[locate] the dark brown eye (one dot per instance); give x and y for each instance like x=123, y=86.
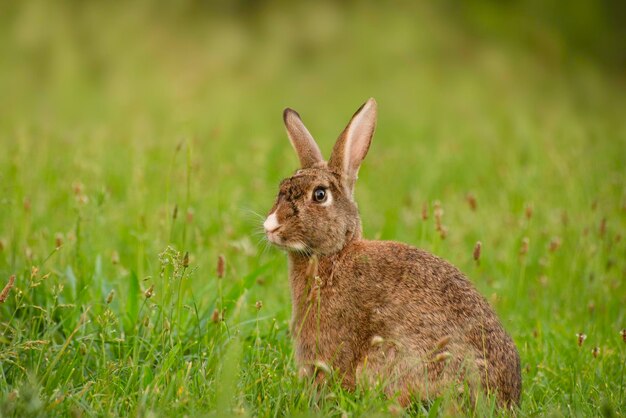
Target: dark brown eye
x=319, y=194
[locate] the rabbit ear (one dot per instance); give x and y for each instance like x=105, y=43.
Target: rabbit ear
x=353, y=143
x=301, y=140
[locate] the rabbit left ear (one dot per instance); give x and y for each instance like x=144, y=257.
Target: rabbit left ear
x=353, y=144
x=301, y=140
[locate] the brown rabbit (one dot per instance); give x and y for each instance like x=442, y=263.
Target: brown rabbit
x=377, y=310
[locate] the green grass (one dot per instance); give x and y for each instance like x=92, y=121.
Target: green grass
x=134, y=135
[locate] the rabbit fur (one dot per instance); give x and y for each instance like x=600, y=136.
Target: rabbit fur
x=378, y=311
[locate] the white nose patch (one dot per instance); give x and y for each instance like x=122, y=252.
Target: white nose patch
x=271, y=223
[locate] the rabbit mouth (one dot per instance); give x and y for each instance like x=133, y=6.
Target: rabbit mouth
x=281, y=243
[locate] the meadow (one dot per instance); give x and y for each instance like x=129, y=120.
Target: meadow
x=141, y=148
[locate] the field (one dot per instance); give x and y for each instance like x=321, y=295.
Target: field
x=140, y=144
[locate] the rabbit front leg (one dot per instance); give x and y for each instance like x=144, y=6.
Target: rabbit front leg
x=322, y=349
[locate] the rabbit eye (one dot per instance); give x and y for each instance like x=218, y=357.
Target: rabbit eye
x=319, y=195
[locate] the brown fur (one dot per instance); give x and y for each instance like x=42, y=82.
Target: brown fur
x=379, y=311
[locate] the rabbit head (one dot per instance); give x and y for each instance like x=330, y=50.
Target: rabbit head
x=315, y=211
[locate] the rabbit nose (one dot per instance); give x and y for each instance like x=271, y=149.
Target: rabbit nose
x=271, y=223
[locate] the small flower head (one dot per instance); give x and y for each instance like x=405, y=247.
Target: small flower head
x=149, y=292
x=258, y=305
x=595, y=352
x=581, y=338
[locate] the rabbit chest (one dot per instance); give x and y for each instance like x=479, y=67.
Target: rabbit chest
x=334, y=315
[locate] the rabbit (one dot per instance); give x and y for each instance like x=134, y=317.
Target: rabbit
x=380, y=312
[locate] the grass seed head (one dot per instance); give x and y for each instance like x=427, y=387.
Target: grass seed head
x=215, y=316
x=602, y=229
x=471, y=201
x=528, y=211
x=311, y=269
x=110, y=296
x=581, y=338
x=524, y=247
x=221, y=266
x=376, y=341
x=443, y=231
x=58, y=240
x=438, y=214
x=476, y=253
x=443, y=342
x=5, y=292
x=258, y=305
x=175, y=212
x=395, y=410
x=442, y=356
x=78, y=187
x=186, y=260
x=82, y=199
x=323, y=366
x=555, y=243
x=149, y=292
x=595, y=352
x=424, y=211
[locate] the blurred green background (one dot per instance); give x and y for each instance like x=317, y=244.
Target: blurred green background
x=130, y=127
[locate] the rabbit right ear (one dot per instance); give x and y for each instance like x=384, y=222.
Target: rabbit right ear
x=301, y=140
